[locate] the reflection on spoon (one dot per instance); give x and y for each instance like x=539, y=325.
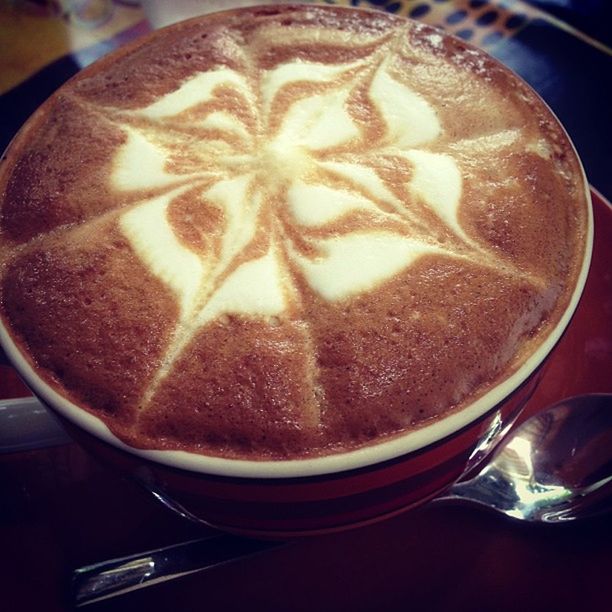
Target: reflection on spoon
x=553, y=468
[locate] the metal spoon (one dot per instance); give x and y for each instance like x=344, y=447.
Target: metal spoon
x=553, y=468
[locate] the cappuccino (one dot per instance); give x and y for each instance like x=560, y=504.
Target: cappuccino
x=287, y=232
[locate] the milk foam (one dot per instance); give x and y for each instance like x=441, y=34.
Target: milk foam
x=139, y=164
x=437, y=182
x=362, y=177
x=318, y=122
x=226, y=122
x=411, y=120
x=316, y=205
x=487, y=142
x=284, y=167
x=274, y=80
x=241, y=211
x=197, y=90
x=151, y=236
x=254, y=288
x=540, y=148
x=357, y=263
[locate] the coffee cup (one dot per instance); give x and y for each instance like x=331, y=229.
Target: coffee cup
x=294, y=267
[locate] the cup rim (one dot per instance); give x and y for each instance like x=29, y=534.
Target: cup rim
x=395, y=446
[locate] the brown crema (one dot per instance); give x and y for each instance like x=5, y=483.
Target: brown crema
x=345, y=226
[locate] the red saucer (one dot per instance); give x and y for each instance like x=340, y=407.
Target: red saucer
x=582, y=361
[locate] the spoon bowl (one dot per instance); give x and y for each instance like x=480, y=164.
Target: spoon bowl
x=555, y=467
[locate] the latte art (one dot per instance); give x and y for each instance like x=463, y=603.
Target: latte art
x=312, y=229
x=318, y=163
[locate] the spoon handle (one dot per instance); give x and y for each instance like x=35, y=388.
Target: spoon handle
x=118, y=576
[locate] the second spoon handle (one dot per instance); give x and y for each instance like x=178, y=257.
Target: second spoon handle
x=117, y=576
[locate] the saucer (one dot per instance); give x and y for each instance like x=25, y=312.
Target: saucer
x=582, y=361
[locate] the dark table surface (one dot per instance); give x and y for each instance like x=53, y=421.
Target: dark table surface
x=60, y=510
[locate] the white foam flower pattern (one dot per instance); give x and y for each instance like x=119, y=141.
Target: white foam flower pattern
x=297, y=140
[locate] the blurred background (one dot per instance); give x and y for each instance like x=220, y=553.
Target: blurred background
x=560, y=47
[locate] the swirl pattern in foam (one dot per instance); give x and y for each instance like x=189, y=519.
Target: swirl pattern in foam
x=299, y=231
